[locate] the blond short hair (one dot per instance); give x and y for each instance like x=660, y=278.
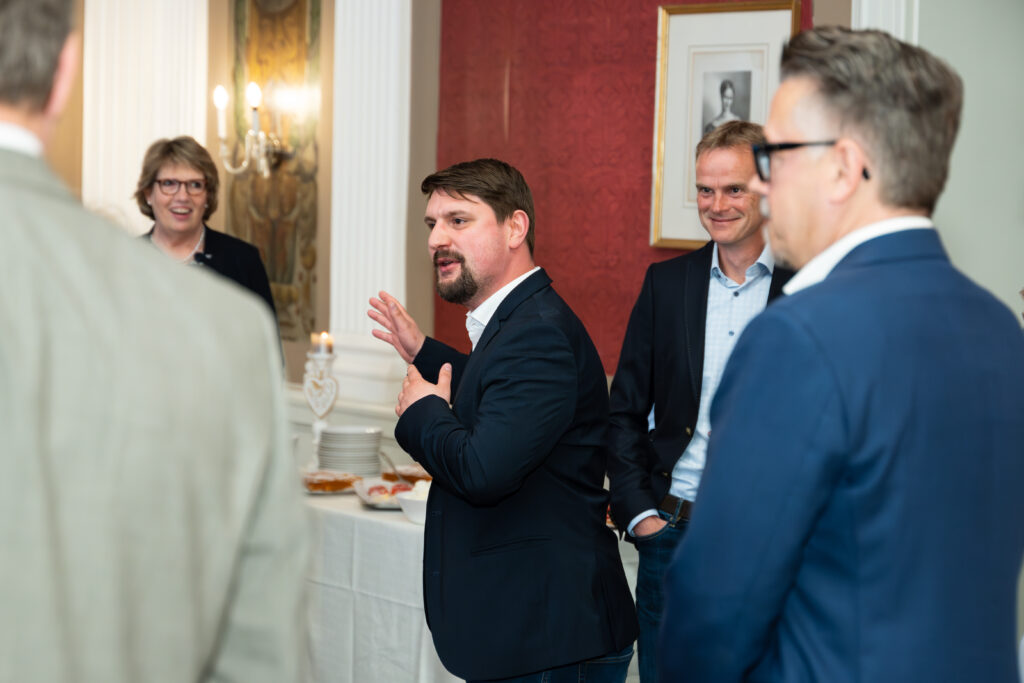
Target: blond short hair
x=731, y=134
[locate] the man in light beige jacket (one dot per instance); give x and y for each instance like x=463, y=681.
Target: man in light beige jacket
x=151, y=524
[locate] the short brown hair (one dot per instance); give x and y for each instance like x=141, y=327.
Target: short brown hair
x=496, y=183
x=731, y=134
x=182, y=150
x=902, y=102
x=32, y=34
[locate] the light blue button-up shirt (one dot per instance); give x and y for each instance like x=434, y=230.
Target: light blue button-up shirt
x=730, y=307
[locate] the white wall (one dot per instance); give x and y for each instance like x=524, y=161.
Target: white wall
x=144, y=71
x=981, y=213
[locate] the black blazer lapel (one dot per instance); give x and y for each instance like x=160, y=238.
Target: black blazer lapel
x=521, y=293
x=780, y=276
x=698, y=275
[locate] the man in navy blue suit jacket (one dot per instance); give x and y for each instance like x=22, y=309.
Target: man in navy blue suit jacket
x=521, y=575
x=861, y=515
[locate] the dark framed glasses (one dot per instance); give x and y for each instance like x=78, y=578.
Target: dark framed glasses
x=763, y=155
x=169, y=186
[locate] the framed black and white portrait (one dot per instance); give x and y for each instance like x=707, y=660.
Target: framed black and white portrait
x=716, y=63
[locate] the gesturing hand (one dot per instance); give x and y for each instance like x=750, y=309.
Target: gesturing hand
x=414, y=387
x=402, y=331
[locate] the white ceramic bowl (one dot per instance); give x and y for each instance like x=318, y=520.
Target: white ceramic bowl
x=414, y=508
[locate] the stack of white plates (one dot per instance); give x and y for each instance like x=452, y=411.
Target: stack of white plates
x=350, y=449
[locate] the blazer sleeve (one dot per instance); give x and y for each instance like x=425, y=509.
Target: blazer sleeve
x=630, y=453
x=772, y=463
x=527, y=401
x=433, y=355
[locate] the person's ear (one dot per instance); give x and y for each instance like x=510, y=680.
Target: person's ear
x=519, y=226
x=64, y=76
x=850, y=169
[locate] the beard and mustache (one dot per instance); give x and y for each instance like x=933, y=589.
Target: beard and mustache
x=460, y=290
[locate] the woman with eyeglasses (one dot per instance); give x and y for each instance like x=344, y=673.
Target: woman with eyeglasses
x=177, y=188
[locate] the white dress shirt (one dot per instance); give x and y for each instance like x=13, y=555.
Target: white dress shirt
x=818, y=268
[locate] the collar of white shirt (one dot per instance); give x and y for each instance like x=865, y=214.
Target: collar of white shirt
x=477, y=319
x=766, y=259
x=818, y=268
x=18, y=139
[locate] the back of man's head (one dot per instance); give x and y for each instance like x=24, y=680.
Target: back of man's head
x=899, y=101
x=498, y=184
x=32, y=33
x=731, y=134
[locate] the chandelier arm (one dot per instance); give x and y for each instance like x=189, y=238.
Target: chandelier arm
x=224, y=156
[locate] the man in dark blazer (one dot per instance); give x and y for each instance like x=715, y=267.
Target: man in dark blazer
x=521, y=576
x=861, y=516
x=675, y=323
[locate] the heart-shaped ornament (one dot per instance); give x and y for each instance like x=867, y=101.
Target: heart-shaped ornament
x=320, y=394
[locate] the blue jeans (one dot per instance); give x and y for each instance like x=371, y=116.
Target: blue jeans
x=655, y=553
x=611, y=668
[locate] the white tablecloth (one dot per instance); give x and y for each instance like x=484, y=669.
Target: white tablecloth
x=366, y=597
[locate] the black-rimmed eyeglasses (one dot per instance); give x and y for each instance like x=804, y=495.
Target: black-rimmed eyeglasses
x=169, y=186
x=763, y=155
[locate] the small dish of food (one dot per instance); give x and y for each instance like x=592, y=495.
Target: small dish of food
x=328, y=482
x=377, y=493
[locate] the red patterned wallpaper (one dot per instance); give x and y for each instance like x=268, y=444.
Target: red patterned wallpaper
x=579, y=79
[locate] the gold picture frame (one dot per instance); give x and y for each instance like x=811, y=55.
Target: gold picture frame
x=716, y=62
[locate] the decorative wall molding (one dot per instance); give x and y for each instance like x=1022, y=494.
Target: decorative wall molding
x=144, y=70
x=370, y=177
x=372, y=52
x=897, y=17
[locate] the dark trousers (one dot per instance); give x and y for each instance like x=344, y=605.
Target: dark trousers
x=655, y=552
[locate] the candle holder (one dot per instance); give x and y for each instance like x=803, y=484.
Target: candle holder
x=320, y=388
x=265, y=151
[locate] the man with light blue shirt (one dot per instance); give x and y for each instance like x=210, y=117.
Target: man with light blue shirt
x=860, y=517
x=690, y=312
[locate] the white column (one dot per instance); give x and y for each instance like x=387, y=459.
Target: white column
x=896, y=17
x=369, y=198
x=144, y=77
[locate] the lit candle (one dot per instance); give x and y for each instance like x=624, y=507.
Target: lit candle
x=321, y=343
x=253, y=97
x=220, y=101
